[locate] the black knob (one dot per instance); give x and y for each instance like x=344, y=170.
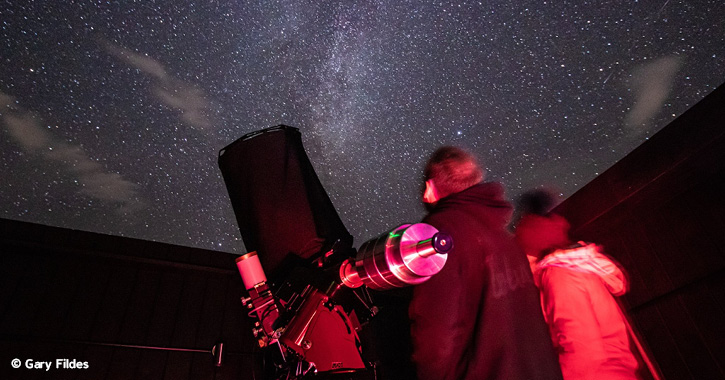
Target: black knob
x=442, y=242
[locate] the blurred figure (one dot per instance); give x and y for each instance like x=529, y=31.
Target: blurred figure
x=479, y=317
x=538, y=231
x=577, y=284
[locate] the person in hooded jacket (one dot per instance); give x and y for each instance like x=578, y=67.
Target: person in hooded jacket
x=578, y=284
x=479, y=317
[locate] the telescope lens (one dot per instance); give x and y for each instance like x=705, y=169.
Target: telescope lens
x=442, y=243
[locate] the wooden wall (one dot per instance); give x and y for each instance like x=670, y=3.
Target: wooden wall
x=77, y=295
x=660, y=212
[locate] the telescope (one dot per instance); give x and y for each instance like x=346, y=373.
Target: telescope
x=308, y=288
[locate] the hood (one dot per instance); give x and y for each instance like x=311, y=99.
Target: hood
x=586, y=258
x=485, y=199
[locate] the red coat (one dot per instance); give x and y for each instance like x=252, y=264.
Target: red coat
x=586, y=324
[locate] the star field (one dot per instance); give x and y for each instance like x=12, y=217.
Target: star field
x=112, y=113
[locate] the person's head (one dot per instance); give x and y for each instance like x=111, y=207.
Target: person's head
x=450, y=170
x=539, y=235
x=539, y=231
x=538, y=201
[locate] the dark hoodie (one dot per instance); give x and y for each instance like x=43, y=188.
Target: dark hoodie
x=479, y=318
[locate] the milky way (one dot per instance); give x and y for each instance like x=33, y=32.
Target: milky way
x=112, y=113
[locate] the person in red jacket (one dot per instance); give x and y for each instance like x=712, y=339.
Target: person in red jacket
x=578, y=284
x=479, y=317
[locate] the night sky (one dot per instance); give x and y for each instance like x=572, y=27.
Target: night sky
x=112, y=113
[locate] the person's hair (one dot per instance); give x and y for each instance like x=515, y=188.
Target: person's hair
x=452, y=170
x=537, y=201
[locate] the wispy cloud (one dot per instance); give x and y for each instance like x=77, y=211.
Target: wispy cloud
x=652, y=84
x=189, y=101
x=26, y=129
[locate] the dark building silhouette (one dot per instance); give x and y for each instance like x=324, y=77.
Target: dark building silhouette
x=135, y=309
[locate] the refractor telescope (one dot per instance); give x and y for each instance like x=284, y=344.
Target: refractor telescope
x=309, y=311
